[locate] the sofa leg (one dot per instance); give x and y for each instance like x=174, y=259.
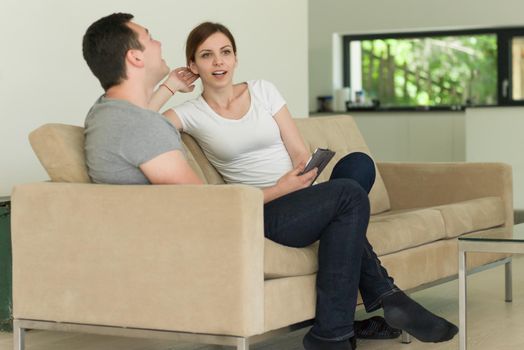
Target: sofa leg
x=242, y=344
x=405, y=338
x=509, y=281
x=18, y=336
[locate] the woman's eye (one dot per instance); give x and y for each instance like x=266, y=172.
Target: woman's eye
x=227, y=52
x=205, y=55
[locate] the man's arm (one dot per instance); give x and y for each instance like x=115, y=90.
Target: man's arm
x=174, y=118
x=170, y=168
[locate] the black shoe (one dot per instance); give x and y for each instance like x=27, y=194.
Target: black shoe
x=310, y=342
x=375, y=328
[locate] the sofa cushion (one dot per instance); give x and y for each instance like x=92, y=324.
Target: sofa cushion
x=472, y=215
x=414, y=267
x=395, y=231
x=341, y=134
x=281, y=261
x=60, y=149
x=209, y=174
x=386, y=233
x=398, y=231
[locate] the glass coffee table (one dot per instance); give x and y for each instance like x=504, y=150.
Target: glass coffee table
x=502, y=240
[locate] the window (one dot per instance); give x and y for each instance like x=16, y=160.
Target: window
x=435, y=70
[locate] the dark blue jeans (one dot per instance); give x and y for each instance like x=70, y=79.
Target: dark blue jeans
x=335, y=212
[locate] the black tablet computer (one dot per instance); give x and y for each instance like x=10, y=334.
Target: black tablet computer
x=318, y=160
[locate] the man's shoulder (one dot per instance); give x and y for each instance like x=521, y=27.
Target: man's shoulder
x=117, y=110
x=122, y=115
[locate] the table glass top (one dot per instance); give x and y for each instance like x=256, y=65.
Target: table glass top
x=498, y=235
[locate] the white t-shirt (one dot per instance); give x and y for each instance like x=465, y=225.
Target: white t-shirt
x=248, y=150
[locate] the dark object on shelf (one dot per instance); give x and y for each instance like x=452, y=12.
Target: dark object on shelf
x=6, y=281
x=325, y=104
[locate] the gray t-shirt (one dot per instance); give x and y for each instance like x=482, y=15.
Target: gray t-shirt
x=120, y=136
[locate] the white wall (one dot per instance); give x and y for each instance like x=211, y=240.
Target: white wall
x=44, y=79
x=497, y=135
x=414, y=137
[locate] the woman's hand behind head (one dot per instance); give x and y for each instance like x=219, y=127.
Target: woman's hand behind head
x=182, y=79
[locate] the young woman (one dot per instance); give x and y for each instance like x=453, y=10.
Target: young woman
x=247, y=133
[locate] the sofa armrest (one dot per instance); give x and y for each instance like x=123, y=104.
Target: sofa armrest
x=414, y=185
x=184, y=258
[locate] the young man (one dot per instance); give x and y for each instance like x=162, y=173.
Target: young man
x=126, y=142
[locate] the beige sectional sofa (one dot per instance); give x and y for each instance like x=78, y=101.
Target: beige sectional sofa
x=191, y=263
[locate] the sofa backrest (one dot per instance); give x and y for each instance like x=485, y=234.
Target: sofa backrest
x=60, y=149
x=209, y=174
x=341, y=134
x=338, y=133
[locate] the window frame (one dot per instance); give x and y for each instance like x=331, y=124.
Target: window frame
x=504, y=37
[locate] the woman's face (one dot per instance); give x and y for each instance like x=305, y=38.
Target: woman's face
x=215, y=61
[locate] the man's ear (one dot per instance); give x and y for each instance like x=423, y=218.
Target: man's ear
x=135, y=58
x=193, y=68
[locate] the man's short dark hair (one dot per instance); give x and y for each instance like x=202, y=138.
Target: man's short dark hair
x=105, y=46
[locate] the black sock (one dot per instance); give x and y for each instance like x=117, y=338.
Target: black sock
x=400, y=311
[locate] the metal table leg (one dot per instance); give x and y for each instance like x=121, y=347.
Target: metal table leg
x=462, y=299
x=509, y=282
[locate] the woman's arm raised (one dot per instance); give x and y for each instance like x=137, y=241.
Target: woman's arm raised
x=180, y=79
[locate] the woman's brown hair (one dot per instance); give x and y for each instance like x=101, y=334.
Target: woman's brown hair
x=200, y=33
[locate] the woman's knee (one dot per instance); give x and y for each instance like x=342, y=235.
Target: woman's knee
x=357, y=166
x=355, y=160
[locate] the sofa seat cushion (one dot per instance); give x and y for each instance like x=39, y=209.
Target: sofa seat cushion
x=472, y=215
x=281, y=261
x=60, y=149
x=395, y=231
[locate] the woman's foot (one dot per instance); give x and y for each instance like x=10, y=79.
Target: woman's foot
x=311, y=342
x=400, y=311
x=375, y=327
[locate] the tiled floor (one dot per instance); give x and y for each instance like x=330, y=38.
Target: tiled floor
x=493, y=324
